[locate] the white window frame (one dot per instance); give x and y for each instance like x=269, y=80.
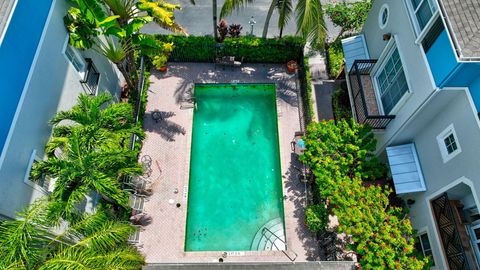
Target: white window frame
x=78, y=57
x=421, y=33
x=384, y=8
x=391, y=46
x=26, y=179
x=421, y=232
x=441, y=143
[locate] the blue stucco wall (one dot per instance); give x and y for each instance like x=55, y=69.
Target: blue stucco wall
x=16, y=55
x=475, y=92
x=448, y=72
x=441, y=58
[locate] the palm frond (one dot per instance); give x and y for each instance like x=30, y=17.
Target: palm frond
x=125, y=9
x=21, y=240
x=230, y=5
x=310, y=23
x=162, y=13
x=112, y=50
x=108, y=236
x=285, y=10
x=122, y=258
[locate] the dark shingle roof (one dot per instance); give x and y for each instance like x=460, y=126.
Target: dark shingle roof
x=464, y=18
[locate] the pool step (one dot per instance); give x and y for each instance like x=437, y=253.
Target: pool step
x=270, y=236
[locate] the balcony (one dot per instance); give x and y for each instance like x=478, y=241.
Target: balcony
x=364, y=100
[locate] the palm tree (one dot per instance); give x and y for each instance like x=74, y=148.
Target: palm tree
x=97, y=114
x=95, y=241
x=285, y=9
x=119, y=23
x=85, y=167
x=308, y=13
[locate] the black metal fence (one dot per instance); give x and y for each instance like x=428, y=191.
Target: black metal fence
x=359, y=69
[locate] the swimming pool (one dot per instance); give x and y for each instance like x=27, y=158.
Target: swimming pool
x=235, y=188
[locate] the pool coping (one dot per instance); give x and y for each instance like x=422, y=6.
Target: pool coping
x=279, y=177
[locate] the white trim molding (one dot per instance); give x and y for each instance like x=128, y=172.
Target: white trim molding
x=442, y=264
x=26, y=178
x=446, y=133
x=381, y=13
x=422, y=231
x=382, y=61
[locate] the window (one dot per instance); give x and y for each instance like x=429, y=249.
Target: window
x=391, y=81
x=75, y=58
x=41, y=184
x=383, y=16
x=448, y=143
x=423, y=245
x=423, y=11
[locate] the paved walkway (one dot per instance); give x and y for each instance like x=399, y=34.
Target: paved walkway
x=168, y=143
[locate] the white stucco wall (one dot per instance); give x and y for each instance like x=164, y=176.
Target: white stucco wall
x=440, y=176
x=54, y=86
x=413, y=59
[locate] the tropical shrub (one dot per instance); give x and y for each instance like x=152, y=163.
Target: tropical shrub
x=159, y=61
x=94, y=241
x=222, y=29
x=252, y=49
x=90, y=154
x=234, y=30
x=119, y=24
x=341, y=104
x=335, y=59
x=341, y=158
x=316, y=218
x=349, y=17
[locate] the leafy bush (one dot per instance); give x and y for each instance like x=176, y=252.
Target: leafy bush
x=341, y=105
x=335, y=58
x=234, y=30
x=252, y=49
x=222, y=29
x=341, y=158
x=316, y=218
x=159, y=61
x=349, y=16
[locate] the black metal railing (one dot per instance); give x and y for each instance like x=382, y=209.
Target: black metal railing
x=363, y=111
x=91, y=77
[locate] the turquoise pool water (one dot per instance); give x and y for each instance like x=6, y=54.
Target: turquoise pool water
x=235, y=180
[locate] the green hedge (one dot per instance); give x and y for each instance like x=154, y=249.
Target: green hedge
x=335, y=58
x=252, y=49
x=341, y=105
x=306, y=85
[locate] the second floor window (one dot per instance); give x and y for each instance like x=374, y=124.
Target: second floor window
x=423, y=10
x=75, y=58
x=391, y=81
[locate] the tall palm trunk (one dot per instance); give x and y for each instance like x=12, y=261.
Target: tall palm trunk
x=214, y=11
x=126, y=75
x=267, y=19
x=281, y=32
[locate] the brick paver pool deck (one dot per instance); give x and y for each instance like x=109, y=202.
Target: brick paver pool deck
x=168, y=143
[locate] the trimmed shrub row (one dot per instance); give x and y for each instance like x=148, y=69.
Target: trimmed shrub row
x=251, y=49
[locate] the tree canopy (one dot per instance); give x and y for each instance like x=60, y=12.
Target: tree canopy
x=341, y=158
x=95, y=241
x=349, y=16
